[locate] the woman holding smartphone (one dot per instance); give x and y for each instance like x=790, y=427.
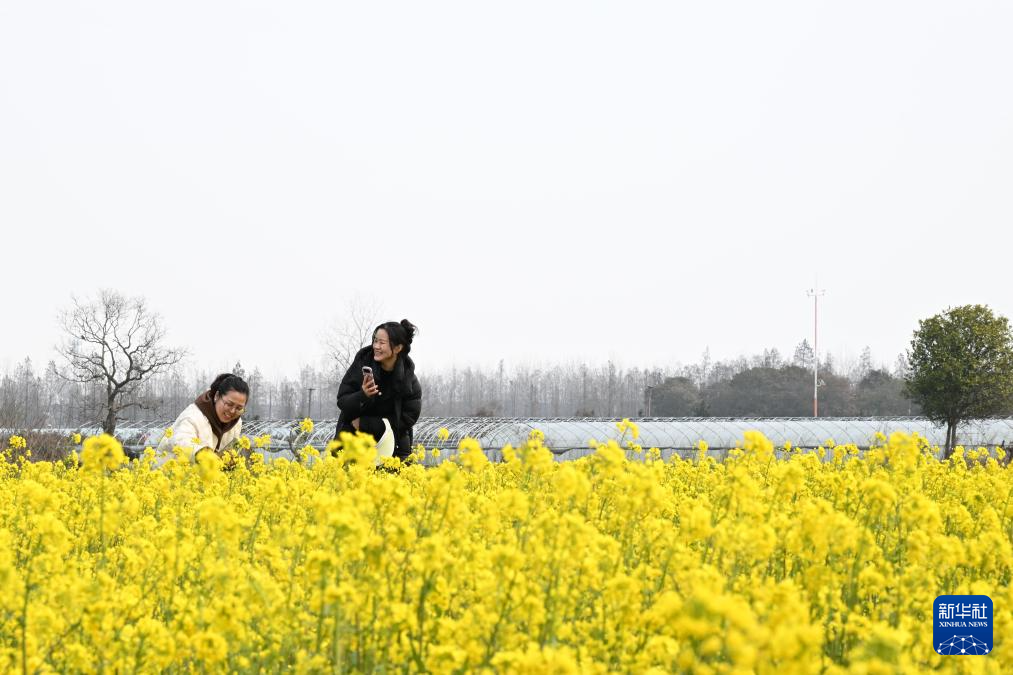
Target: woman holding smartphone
x=380, y=394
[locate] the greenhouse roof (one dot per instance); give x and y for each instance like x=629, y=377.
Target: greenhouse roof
x=570, y=437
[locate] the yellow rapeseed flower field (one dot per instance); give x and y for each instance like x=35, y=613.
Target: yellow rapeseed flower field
x=619, y=562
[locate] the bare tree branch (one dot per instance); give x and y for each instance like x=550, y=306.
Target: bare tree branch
x=352, y=331
x=117, y=341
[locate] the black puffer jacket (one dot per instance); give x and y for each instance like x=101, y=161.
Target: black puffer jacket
x=407, y=393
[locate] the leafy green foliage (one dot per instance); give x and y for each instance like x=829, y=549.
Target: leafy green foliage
x=961, y=365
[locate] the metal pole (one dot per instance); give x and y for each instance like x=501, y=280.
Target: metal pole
x=815, y=294
x=310, y=406
x=816, y=356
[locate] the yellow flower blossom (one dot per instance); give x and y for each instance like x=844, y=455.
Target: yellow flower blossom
x=764, y=562
x=100, y=453
x=309, y=453
x=627, y=426
x=471, y=454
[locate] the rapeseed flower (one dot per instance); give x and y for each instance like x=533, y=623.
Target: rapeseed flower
x=101, y=453
x=613, y=562
x=471, y=455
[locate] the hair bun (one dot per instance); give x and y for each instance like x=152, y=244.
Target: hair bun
x=409, y=328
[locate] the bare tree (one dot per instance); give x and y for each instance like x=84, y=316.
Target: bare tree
x=352, y=332
x=116, y=342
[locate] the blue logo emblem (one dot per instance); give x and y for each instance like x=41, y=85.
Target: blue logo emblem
x=962, y=625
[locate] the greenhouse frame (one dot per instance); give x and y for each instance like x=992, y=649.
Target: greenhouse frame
x=570, y=438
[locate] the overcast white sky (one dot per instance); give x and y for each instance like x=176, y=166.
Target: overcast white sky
x=535, y=181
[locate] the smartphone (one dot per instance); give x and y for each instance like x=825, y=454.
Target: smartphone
x=366, y=370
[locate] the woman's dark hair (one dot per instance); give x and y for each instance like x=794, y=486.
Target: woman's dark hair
x=399, y=334
x=227, y=382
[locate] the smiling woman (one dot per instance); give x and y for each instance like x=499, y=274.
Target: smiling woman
x=380, y=394
x=213, y=420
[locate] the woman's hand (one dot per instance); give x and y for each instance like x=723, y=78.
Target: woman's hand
x=355, y=424
x=369, y=387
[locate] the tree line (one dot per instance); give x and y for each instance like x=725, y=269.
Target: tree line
x=114, y=366
x=760, y=386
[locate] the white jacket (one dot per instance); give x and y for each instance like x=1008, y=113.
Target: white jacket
x=192, y=431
